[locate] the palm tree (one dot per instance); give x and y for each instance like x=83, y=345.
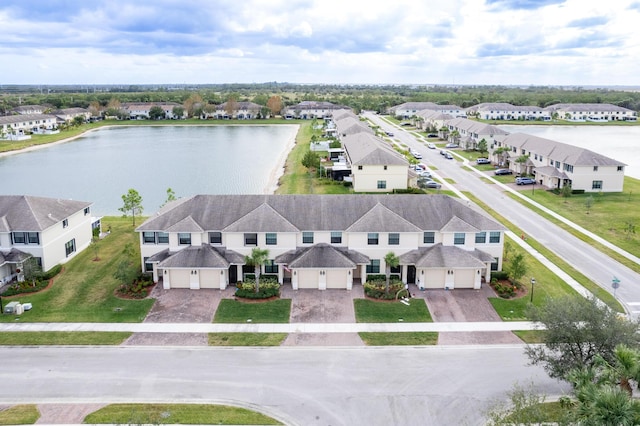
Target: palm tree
x=625, y=367
x=391, y=261
x=257, y=258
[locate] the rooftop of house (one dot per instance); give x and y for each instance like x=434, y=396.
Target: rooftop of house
x=365, y=148
x=24, y=213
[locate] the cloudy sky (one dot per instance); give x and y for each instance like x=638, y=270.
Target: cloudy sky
x=555, y=42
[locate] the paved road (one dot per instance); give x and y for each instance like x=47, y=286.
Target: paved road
x=300, y=386
x=582, y=256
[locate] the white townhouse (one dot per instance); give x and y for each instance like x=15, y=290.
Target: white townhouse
x=68, y=114
x=140, y=110
x=307, y=110
x=29, y=109
x=409, y=109
x=557, y=164
x=242, y=110
x=50, y=229
x=429, y=119
x=591, y=112
x=506, y=111
x=321, y=241
x=350, y=126
x=467, y=133
x=375, y=165
x=26, y=123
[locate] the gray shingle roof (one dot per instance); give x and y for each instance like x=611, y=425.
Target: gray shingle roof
x=28, y=213
x=381, y=219
x=13, y=256
x=262, y=219
x=350, y=125
x=472, y=126
x=587, y=107
x=366, y=149
x=439, y=256
x=322, y=256
x=317, y=212
x=10, y=119
x=204, y=256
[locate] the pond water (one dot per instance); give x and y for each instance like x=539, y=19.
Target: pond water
x=621, y=143
x=102, y=165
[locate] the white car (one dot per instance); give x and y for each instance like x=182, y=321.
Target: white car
x=431, y=145
x=425, y=173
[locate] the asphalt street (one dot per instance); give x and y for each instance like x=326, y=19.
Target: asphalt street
x=594, y=264
x=300, y=386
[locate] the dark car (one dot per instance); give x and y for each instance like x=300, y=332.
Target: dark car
x=525, y=181
x=499, y=172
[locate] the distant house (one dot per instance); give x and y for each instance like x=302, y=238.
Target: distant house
x=506, y=111
x=140, y=110
x=349, y=125
x=241, y=111
x=29, y=109
x=17, y=126
x=308, y=110
x=429, y=119
x=409, y=109
x=467, y=133
x=50, y=229
x=66, y=115
x=375, y=166
x=591, y=112
x=202, y=241
x=556, y=164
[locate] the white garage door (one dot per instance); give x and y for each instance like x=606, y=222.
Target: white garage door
x=179, y=278
x=336, y=278
x=307, y=278
x=209, y=278
x=434, y=278
x=464, y=278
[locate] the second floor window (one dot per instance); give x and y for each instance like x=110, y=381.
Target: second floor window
x=336, y=237
x=429, y=237
x=494, y=237
x=271, y=238
x=481, y=237
x=458, y=238
x=215, y=237
x=372, y=238
x=251, y=239
x=394, y=239
x=184, y=239
x=65, y=223
x=307, y=238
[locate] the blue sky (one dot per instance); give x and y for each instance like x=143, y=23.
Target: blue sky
x=541, y=42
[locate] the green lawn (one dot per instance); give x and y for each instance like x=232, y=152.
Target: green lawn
x=373, y=311
x=530, y=336
x=400, y=339
x=84, y=291
x=35, y=338
x=177, y=414
x=246, y=339
x=233, y=311
x=19, y=415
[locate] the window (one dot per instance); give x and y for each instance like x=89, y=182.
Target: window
x=65, y=223
x=19, y=238
x=271, y=238
x=429, y=237
x=163, y=238
x=494, y=237
x=394, y=239
x=385, y=167
x=215, y=237
x=184, y=238
x=70, y=247
x=87, y=210
x=620, y=168
x=595, y=168
x=307, y=237
x=596, y=184
x=372, y=238
x=458, y=238
x=33, y=237
x=396, y=269
x=336, y=237
x=567, y=167
x=494, y=264
x=149, y=237
x=382, y=184
x=251, y=239
x=481, y=237
x=148, y=266
x=359, y=167
x=270, y=267
x=373, y=267
x=557, y=164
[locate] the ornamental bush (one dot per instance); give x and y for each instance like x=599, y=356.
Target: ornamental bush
x=268, y=289
x=376, y=289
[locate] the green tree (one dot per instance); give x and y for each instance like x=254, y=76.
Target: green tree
x=125, y=271
x=517, y=267
x=566, y=191
x=311, y=160
x=629, y=230
x=178, y=112
x=78, y=120
x=482, y=146
x=588, y=203
x=257, y=258
x=156, y=113
x=171, y=196
x=31, y=270
x=275, y=105
x=524, y=407
x=390, y=261
x=578, y=331
x=131, y=203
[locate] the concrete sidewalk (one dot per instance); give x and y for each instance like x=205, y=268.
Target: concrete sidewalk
x=274, y=328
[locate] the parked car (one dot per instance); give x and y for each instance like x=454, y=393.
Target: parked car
x=416, y=155
x=448, y=156
x=431, y=145
x=432, y=184
x=432, y=135
x=525, y=181
x=483, y=161
x=389, y=133
x=425, y=173
x=499, y=172
x=451, y=145
x=418, y=169
x=443, y=152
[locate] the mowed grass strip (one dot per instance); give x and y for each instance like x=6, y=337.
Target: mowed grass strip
x=84, y=291
x=394, y=311
x=413, y=338
x=36, y=338
x=530, y=336
x=26, y=414
x=246, y=339
x=177, y=414
x=234, y=311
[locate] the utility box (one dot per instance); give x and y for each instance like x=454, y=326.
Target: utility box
x=12, y=308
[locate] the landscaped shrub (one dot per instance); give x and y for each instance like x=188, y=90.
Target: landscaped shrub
x=499, y=275
x=25, y=287
x=138, y=289
x=247, y=290
x=52, y=272
x=376, y=289
x=505, y=290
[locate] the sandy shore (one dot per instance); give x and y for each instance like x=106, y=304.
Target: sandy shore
x=278, y=171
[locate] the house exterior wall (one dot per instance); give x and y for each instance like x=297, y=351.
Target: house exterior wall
x=366, y=180
x=584, y=177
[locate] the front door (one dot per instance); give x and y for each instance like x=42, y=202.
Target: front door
x=411, y=274
x=233, y=274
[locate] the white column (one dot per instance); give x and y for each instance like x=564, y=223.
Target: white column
x=294, y=279
x=405, y=269
x=349, y=279
x=224, y=279
x=166, y=279
x=322, y=280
